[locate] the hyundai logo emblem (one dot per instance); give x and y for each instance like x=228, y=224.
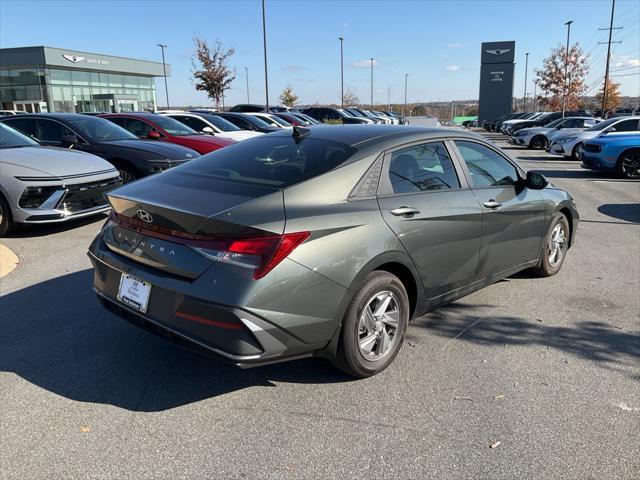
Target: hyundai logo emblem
x=144, y=216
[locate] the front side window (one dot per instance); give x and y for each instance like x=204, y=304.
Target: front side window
x=172, y=126
x=51, y=131
x=421, y=168
x=25, y=125
x=138, y=127
x=626, y=126
x=487, y=167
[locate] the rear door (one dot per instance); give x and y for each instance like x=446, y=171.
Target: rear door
x=513, y=220
x=427, y=203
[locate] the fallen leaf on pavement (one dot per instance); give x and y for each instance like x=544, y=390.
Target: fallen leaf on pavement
x=85, y=429
x=498, y=397
x=495, y=444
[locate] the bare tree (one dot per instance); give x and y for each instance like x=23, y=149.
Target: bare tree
x=350, y=99
x=211, y=74
x=551, y=78
x=288, y=97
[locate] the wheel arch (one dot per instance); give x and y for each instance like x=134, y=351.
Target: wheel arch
x=566, y=211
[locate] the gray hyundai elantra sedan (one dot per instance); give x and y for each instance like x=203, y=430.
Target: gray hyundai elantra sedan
x=323, y=241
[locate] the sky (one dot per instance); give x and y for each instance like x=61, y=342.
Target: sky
x=436, y=42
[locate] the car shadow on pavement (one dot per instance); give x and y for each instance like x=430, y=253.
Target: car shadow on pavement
x=43, y=229
x=56, y=335
x=629, y=212
x=607, y=344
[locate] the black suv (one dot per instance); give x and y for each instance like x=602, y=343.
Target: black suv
x=134, y=158
x=325, y=115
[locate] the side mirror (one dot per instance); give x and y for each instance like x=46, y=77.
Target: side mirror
x=208, y=131
x=536, y=181
x=69, y=139
x=609, y=130
x=153, y=135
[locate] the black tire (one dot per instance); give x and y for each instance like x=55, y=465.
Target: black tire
x=628, y=165
x=574, y=153
x=350, y=358
x=546, y=266
x=6, y=219
x=539, y=142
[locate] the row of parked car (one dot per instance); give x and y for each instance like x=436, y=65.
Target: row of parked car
x=100, y=151
x=605, y=145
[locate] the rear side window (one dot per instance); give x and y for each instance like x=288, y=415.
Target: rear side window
x=268, y=161
x=25, y=125
x=424, y=167
x=487, y=168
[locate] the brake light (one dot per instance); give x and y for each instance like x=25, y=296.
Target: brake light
x=271, y=250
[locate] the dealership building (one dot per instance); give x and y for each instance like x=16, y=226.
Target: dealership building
x=45, y=79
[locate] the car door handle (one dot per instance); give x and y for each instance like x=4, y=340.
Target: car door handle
x=404, y=211
x=492, y=204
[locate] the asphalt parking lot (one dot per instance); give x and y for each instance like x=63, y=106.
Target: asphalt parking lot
x=547, y=371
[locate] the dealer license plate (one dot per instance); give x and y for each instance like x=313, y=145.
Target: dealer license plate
x=134, y=292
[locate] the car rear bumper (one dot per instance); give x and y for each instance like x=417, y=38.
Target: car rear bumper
x=179, y=312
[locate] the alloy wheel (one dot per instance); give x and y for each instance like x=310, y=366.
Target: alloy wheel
x=557, y=245
x=378, y=325
x=631, y=165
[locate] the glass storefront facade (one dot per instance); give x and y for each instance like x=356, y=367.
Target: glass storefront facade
x=65, y=90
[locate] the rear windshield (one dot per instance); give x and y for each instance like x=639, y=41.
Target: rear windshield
x=270, y=161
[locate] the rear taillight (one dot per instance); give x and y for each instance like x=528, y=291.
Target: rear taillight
x=260, y=253
x=269, y=250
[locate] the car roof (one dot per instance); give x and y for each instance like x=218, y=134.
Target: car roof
x=361, y=134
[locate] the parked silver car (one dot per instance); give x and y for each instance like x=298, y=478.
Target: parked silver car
x=538, y=137
x=570, y=144
x=49, y=184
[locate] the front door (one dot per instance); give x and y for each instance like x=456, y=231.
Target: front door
x=513, y=219
x=435, y=216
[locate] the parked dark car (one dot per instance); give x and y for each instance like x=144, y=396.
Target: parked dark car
x=248, y=122
x=323, y=241
x=323, y=114
x=165, y=129
x=360, y=114
x=134, y=158
x=492, y=124
x=255, y=108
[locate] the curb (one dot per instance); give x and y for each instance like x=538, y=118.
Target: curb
x=8, y=261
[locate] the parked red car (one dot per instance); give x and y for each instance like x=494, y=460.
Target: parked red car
x=292, y=119
x=166, y=129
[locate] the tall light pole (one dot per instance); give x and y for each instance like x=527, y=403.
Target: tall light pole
x=164, y=69
x=526, y=69
x=566, y=68
x=371, y=59
x=341, y=73
x=246, y=76
x=404, y=109
x=264, y=41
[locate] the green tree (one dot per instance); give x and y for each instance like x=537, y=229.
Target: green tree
x=288, y=98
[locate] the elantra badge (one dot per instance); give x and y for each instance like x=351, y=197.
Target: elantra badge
x=144, y=216
x=497, y=51
x=73, y=58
